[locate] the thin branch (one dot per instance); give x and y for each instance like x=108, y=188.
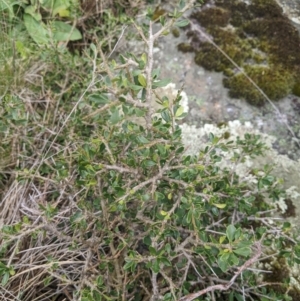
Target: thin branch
x=224, y=287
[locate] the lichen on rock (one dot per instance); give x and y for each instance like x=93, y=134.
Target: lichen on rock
x=284, y=168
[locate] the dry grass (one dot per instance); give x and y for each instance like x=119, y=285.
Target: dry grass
x=51, y=257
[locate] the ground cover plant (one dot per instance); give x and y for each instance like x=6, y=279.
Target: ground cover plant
x=100, y=200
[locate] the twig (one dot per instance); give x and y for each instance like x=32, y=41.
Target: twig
x=224, y=287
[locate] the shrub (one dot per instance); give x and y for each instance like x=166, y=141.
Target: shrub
x=116, y=209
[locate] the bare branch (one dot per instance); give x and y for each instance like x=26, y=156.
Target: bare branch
x=224, y=287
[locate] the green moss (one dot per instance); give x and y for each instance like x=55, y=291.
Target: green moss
x=296, y=89
x=265, y=8
x=222, y=124
x=185, y=47
x=278, y=38
x=275, y=82
x=228, y=72
x=281, y=272
x=209, y=57
x=238, y=9
x=226, y=135
x=259, y=58
x=263, y=36
x=158, y=13
x=212, y=16
x=223, y=36
x=291, y=209
x=175, y=32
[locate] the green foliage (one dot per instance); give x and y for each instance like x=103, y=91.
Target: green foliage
x=105, y=204
x=41, y=19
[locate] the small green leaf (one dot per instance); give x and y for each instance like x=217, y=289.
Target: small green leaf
x=155, y=266
x=179, y=111
x=243, y=251
x=159, y=196
x=181, y=4
x=189, y=216
x=233, y=260
x=144, y=58
x=182, y=23
x=222, y=239
x=5, y=278
x=93, y=47
x=162, y=20
x=230, y=231
x=98, y=99
x=163, y=213
x=139, y=112
x=166, y=115
x=142, y=139
x=165, y=261
x=64, y=13
x=220, y=206
x=130, y=265
x=240, y=297
x=223, y=264
x=211, y=137
x=168, y=248
x=47, y=280
x=152, y=251
x=145, y=197
x=115, y=117
x=135, y=87
x=142, y=80
x=161, y=83
x=162, y=149
x=149, y=163
x=99, y=281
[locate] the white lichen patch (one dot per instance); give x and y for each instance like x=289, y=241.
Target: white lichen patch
x=284, y=168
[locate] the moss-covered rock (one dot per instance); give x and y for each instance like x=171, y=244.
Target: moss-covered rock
x=211, y=58
x=212, y=16
x=275, y=82
x=238, y=9
x=261, y=36
x=279, y=39
x=265, y=9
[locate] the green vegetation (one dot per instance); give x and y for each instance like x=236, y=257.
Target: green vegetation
x=212, y=59
x=261, y=35
x=219, y=16
x=275, y=82
x=185, y=47
x=98, y=198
